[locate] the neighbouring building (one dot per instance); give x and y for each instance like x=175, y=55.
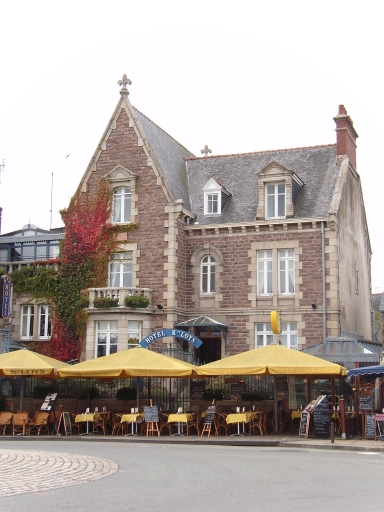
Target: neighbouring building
x=222, y=240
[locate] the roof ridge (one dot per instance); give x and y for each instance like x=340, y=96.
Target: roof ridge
x=260, y=152
x=162, y=129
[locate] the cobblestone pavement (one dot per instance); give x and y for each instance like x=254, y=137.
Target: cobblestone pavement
x=33, y=471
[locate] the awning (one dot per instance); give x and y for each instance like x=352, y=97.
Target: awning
x=376, y=371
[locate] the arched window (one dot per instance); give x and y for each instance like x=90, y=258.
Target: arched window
x=208, y=274
x=122, y=205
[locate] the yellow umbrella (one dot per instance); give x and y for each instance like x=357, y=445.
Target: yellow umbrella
x=271, y=360
x=135, y=362
x=24, y=363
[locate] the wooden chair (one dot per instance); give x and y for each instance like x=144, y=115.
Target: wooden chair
x=38, y=422
x=258, y=424
x=221, y=425
x=194, y=423
x=117, y=426
x=74, y=425
x=98, y=426
x=5, y=421
x=286, y=420
x=20, y=422
x=164, y=425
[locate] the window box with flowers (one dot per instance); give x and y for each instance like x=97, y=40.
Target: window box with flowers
x=105, y=302
x=136, y=301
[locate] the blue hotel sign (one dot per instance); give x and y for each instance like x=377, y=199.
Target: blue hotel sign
x=6, y=296
x=177, y=333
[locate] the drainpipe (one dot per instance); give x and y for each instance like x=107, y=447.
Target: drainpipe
x=324, y=288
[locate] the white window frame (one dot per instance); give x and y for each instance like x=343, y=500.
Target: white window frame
x=289, y=335
x=208, y=273
x=27, y=321
x=134, y=333
x=120, y=270
x=44, y=322
x=122, y=201
x=263, y=334
x=286, y=271
x=110, y=334
x=212, y=203
x=265, y=272
x=274, y=210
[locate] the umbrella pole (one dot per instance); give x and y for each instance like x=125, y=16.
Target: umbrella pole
x=276, y=404
x=137, y=392
x=21, y=394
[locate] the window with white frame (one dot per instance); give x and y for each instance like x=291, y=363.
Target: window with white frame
x=122, y=205
x=27, y=317
x=212, y=203
x=289, y=335
x=208, y=274
x=264, y=272
x=134, y=333
x=120, y=270
x=44, y=322
x=275, y=200
x=286, y=271
x=106, y=338
x=264, y=334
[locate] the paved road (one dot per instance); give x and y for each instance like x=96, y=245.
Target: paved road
x=164, y=477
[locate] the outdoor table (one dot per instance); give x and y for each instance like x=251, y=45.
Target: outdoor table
x=85, y=417
x=240, y=417
x=296, y=414
x=134, y=419
x=179, y=419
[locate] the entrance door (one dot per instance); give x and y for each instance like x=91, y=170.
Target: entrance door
x=210, y=350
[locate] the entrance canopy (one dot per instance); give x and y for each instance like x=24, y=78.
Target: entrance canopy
x=204, y=321
x=374, y=371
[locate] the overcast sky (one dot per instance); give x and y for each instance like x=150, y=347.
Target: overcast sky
x=239, y=76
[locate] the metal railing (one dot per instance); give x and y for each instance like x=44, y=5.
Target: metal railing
x=118, y=293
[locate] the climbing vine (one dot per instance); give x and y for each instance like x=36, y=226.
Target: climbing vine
x=84, y=256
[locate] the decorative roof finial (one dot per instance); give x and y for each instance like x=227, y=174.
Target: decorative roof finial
x=206, y=150
x=123, y=84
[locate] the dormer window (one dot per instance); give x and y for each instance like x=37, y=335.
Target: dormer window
x=215, y=197
x=275, y=193
x=279, y=188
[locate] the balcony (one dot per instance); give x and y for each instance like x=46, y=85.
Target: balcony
x=118, y=293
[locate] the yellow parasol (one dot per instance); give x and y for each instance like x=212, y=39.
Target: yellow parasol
x=271, y=360
x=24, y=363
x=135, y=362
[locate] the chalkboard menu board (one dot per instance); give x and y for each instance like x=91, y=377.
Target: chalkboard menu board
x=237, y=389
x=370, y=426
x=151, y=413
x=49, y=402
x=321, y=419
x=197, y=389
x=304, y=424
x=210, y=414
x=282, y=387
x=365, y=403
x=65, y=420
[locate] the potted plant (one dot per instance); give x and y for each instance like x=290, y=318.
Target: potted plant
x=105, y=302
x=136, y=301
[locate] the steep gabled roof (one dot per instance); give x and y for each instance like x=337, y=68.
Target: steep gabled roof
x=170, y=157
x=316, y=166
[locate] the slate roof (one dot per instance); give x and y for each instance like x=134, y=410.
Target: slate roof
x=316, y=166
x=170, y=156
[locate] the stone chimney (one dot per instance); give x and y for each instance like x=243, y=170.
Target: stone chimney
x=345, y=135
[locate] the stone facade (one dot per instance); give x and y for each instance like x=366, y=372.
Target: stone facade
x=323, y=229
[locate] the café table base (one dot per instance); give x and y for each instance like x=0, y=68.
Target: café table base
x=238, y=433
x=87, y=433
x=133, y=432
x=179, y=431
